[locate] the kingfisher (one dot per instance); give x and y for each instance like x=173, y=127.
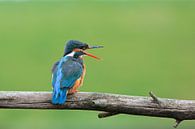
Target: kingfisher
x=68, y=73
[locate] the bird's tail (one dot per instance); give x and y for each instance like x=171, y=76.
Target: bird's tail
x=59, y=96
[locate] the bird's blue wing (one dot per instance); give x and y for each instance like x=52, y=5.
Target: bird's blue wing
x=65, y=72
x=71, y=71
x=65, y=75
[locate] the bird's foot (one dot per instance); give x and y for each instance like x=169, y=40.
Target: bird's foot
x=72, y=91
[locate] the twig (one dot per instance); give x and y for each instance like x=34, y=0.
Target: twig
x=177, y=122
x=155, y=98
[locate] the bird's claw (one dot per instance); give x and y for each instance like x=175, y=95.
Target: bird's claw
x=72, y=91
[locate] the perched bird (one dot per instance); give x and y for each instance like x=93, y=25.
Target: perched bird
x=68, y=73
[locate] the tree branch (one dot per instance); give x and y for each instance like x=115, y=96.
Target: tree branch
x=111, y=104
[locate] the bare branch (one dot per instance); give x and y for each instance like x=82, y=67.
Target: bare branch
x=110, y=104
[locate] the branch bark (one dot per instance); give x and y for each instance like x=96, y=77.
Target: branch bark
x=112, y=104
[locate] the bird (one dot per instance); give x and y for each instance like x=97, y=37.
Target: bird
x=69, y=47
x=68, y=73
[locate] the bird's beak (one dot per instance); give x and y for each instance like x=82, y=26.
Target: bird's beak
x=92, y=47
x=88, y=54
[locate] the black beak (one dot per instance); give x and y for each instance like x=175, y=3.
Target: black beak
x=92, y=47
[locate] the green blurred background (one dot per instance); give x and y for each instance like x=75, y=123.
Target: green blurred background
x=149, y=46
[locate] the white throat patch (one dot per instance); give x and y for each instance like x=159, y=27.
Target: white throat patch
x=71, y=54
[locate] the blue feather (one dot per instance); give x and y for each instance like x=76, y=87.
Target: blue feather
x=59, y=95
x=64, y=76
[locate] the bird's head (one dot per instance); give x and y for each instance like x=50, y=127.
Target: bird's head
x=78, y=53
x=75, y=44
